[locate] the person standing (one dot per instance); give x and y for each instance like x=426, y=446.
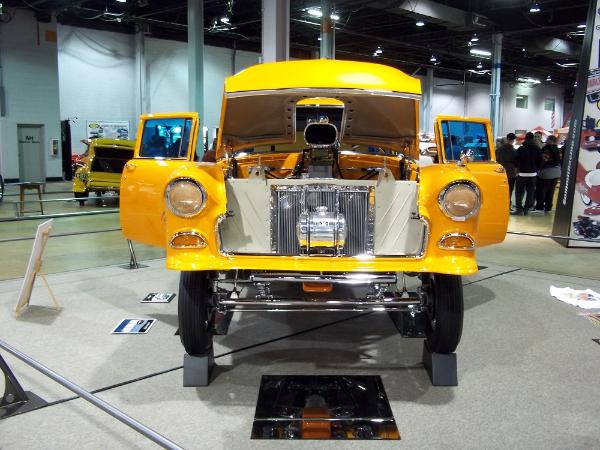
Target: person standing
x=548, y=175
x=528, y=161
x=505, y=155
x=537, y=138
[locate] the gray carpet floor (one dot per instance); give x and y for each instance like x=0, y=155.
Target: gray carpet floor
x=529, y=371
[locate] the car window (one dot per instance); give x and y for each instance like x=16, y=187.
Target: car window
x=166, y=138
x=465, y=137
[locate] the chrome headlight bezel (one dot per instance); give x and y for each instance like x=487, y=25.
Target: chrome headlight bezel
x=201, y=190
x=448, y=188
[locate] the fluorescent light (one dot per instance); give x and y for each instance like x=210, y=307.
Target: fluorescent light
x=567, y=64
x=548, y=78
x=420, y=23
x=317, y=13
x=479, y=66
x=474, y=38
x=122, y=1
x=535, y=8
x=379, y=51
x=581, y=25
x=528, y=80
x=319, y=38
x=519, y=97
x=433, y=58
x=225, y=19
x=480, y=52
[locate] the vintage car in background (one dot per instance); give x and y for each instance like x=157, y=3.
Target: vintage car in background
x=100, y=168
x=316, y=201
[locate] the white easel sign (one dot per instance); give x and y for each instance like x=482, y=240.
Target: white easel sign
x=34, y=267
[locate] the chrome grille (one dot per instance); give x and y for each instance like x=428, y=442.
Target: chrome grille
x=354, y=202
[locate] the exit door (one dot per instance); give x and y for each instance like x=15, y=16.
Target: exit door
x=31, y=153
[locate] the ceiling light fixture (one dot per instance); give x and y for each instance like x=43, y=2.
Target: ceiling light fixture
x=480, y=52
x=224, y=19
x=122, y=1
x=474, y=38
x=479, y=65
x=535, y=8
x=548, y=78
x=379, y=51
x=581, y=25
x=317, y=13
x=528, y=80
x=433, y=59
x=420, y=23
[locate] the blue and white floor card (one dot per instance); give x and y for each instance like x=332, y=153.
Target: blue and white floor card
x=158, y=297
x=134, y=326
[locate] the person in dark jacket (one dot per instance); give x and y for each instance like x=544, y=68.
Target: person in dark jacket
x=505, y=155
x=528, y=161
x=548, y=176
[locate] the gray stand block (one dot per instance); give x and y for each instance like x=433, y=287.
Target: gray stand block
x=197, y=369
x=441, y=368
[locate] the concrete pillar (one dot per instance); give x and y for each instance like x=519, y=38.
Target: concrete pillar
x=141, y=97
x=495, y=86
x=195, y=36
x=275, y=30
x=327, y=30
x=427, y=125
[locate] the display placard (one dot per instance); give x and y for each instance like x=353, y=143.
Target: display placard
x=158, y=297
x=134, y=326
x=110, y=129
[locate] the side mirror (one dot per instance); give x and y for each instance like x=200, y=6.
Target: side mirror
x=466, y=156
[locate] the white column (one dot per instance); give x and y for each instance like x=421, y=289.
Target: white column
x=495, y=86
x=275, y=30
x=327, y=30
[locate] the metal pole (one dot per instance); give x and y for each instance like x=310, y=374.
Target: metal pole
x=327, y=44
x=88, y=396
x=132, y=261
x=496, y=83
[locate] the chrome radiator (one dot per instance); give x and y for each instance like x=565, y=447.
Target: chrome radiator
x=355, y=203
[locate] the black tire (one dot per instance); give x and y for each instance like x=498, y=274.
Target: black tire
x=445, y=310
x=195, y=312
x=81, y=195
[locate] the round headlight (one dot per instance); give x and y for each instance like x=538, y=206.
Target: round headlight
x=185, y=197
x=460, y=200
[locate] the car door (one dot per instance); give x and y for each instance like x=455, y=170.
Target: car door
x=164, y=142
x=458, y=135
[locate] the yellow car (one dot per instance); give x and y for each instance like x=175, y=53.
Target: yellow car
x=102, y=167
x=315, y=199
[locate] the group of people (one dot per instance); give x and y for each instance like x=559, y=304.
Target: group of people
x=533, y=170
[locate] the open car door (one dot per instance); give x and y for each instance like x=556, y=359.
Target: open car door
x=164, y=142
x=457, y=136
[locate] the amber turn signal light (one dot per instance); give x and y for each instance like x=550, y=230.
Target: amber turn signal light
x=457, y=241
x=323, y=288
x=187, y=239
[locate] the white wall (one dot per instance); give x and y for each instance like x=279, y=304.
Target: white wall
x=97, y=78
x=449, y=99
x=167, y=81
x=30, y=80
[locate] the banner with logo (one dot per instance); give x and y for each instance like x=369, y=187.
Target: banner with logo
x=110, y=129
x=578, y=208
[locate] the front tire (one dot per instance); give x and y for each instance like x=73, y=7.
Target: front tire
x=445, y=311
x=195, y=310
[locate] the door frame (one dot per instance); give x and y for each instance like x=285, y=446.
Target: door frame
x=42, y=153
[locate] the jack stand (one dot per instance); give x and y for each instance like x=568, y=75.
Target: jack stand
x=409, y=324
x=15, y=400
x=440, y=367
x=198, y=369
x=133, y=264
